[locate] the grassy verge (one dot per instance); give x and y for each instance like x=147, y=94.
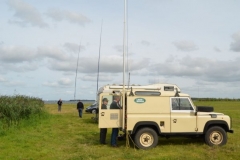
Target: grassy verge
x=66, y=136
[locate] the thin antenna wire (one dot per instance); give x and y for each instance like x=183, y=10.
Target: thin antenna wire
x=76, y=72
x=99, y=55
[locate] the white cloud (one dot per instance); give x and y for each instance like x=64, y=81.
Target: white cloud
x=207, y=69
x=16, y=54
x=235, y=45
x=21, y=58
x=2, y=79
x=60, y=15
x=157, y=80
x=217, y=49
x=69, y=92
x=65, y=82
x=67, y=65
x=19, y=54
x=93, y=77
x=86, y=65
x=110, y=64
x=21, y=67
x=118, y=48
x=12, y=83
x=25, y=14
x=185, y=45
x=205, y=83
x=145, y=43
x=17, y=59
x=52, y=52
x=73, y=47
x=50, y=84
x=15, y=83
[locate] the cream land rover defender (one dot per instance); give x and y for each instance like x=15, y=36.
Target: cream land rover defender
x=160, y=110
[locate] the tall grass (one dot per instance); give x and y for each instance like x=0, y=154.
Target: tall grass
x=13, y=109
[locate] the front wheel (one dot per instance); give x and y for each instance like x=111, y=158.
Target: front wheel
x=146, y=138
x=94, y=111
x=216, y=136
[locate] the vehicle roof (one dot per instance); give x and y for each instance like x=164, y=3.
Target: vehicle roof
x=161, y=87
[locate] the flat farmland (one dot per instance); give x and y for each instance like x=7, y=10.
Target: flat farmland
x=66, y=136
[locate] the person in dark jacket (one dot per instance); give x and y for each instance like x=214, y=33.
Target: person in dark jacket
x=80, y=108
x=103, y=131
x=115, y=105
x=59, y=105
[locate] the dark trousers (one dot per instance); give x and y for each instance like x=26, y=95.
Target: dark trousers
x=103, y=134
x=59, y=108
x=80, y=112
x=114, y=136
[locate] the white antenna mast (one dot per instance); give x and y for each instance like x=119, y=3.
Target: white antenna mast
x=124, y=51
x=127, y=45
x=124, y=44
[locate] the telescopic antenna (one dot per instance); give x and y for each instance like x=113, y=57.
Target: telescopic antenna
x=128, y=79
x=124, y=51
x=124, y=46
x=76, y=72
x=127, y=43
x=99, y=55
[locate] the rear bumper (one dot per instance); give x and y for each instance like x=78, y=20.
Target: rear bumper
x=87, y=110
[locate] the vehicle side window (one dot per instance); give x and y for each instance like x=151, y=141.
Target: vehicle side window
x=147, y=93
x=181, y=104
x=175, y=104
x=106, y=101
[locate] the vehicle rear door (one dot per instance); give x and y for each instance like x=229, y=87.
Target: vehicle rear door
x=109, y=118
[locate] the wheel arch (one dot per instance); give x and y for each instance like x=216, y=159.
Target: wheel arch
x=94, y=111
x=149, y=124
x=219, y=123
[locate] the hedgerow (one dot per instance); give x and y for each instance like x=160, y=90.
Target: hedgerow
x=15, y=108
x=216, y=99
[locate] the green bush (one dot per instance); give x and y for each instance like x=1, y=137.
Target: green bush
x=15, y=108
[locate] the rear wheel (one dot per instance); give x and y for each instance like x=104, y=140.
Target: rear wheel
x=216, y=136
x=146, y=138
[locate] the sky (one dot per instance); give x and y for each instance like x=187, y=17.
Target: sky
x=193, y=44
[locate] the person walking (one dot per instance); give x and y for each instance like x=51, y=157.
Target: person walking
x=103, y=131
x=80, y=108
x=59, y=105
x=115, y=105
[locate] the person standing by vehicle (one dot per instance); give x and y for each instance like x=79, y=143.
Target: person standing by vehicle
x=103, y=131
x=80, y=108
x=59, y=105
x=115, y=105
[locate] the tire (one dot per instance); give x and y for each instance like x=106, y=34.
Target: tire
x=216, y=136
x=146, y=138
x=94, y=111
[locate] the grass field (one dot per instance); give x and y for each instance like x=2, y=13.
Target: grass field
x=65, y=136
